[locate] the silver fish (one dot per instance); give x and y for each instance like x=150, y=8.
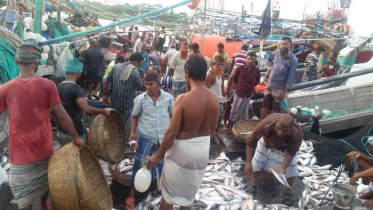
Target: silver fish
x=306, y=155
x=280, y=176
x=126, y=169
x=208, y=168
x=228, y=168
x=301, y=161
x=156, y=201
x=306, y=161
x=222, y=192
x=330, y=178
x=313, y=161
x=232, y=184
x=234, y=206
x=303, y=174
x=326, y=167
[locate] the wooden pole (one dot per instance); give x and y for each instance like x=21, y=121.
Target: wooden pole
x=204, y=26
x=37, y=25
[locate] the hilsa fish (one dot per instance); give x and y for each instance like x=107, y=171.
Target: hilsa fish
x=280, y=176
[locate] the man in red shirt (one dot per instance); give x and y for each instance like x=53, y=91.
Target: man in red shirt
x=123, y=52
x=246, y=77
x=29, y=99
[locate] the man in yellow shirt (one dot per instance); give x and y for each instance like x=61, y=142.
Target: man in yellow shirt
x=222, y=53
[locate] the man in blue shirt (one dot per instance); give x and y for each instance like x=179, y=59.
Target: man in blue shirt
x=149, y=121
x=279, y=77
x=144, y=65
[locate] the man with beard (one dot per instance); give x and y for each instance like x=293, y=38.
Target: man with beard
x=125, y=78
x=29, y=99
x=74, y=102
x=246, y=77
x=215, y=81
x=186, y=142
x=177, y=70
x=276, y=141
x=279, y=77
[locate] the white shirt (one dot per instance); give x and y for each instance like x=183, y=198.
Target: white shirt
x=170, y=54
x=137, y=45
x=178, y=65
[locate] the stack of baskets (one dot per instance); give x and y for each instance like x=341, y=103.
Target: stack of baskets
x=77, y=181
x=106, y=138
x=241, y=129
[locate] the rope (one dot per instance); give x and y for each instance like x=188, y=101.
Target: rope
x=8, y=45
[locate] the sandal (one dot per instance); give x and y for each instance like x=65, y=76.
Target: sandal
x=130, y=204
x=49, y=207
x=253, y=190
x=96, y=97
x=288, y=199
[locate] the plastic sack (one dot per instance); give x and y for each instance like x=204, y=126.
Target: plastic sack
x=62, y=61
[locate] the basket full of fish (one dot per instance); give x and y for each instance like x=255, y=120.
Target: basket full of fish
x=122, y=171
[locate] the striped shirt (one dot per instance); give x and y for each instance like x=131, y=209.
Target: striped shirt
x=240, y=58
x=311, y=67
x=123, y=92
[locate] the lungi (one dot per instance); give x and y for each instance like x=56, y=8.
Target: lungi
x=155, y=68
x=29, y=182
x=266, y=158
x=272, y=101
x=107, y=55
x=240, y=109
x=178, y=87
x=144, y=150
x=183, y=170
x=126, y=116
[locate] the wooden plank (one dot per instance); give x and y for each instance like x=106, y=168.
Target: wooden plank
x=343, y=122
x=228, y=142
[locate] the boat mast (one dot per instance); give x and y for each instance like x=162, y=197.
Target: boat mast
x=204, y=27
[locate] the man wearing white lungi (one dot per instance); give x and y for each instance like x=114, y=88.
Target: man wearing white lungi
x=186, y=143
x=277, y=140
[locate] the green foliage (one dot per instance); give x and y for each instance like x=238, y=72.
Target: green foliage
x=119, y=10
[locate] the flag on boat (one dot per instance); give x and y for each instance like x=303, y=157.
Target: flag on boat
x=265, y=27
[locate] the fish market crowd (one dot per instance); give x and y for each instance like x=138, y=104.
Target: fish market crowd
x=171, y=132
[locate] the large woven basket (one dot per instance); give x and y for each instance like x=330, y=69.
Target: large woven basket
x=241, y=129
x=122, y=179
x=77, y=181
x=106, y=137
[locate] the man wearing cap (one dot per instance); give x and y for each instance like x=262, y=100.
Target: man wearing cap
x=311, y=65
x=29, y=99
x=74, y=102
x=144, y=64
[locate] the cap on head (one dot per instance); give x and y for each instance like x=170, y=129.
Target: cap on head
x=28, y=53
x=73, y=66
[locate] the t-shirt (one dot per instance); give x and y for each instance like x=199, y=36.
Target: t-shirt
x=154, y=58
x=225, y=55
x=178, y=65
x=123, y=54
x=170, y=53
x=69, y=92
x=135, y=36
x=108, y=69
x=30, y=131
x=240, y=58
x=105, y=42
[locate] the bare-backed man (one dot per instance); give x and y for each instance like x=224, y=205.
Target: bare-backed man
x=186, y=142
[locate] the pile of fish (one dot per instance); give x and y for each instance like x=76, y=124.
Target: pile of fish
x=223, y=188
x=125, y=166
x=317, y=179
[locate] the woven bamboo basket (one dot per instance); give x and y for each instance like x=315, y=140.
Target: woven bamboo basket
x=106, y=137
x=242, y=128
x=122, y=179
x=77, y=181
x=62, y=170
x=93, y=189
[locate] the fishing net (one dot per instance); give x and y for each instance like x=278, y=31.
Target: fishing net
x=331, y=151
